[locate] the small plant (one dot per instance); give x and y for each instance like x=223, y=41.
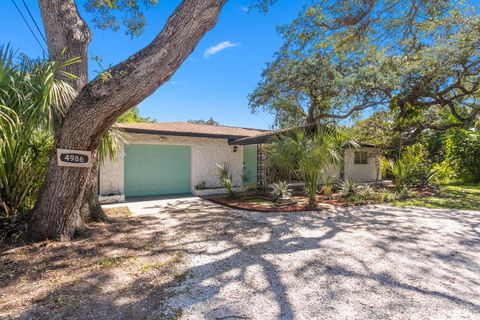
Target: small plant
x=110, y=262
x=366, y=192
x=202, y=185
x=327, y=188
x=225, y=178
x=403, y=193
x=250, y=187
x=281, y=191
x=349, y=188
x=183, y=276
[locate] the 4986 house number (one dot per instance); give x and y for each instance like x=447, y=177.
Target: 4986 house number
x=73, y=158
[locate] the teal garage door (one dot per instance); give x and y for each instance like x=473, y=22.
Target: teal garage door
x=152, y=170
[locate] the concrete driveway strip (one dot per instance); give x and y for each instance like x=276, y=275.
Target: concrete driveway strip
x=373, y=262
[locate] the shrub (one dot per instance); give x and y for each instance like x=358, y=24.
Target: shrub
x=348, y=188
x=281, y=191
x=412, y=169
x=225, y=178
x=366, y=192
x=31, y=96
x=444, y=173
x=327, y=188
x=463, y=154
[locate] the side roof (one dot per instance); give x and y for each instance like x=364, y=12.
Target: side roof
x=191, y=130
x=235, y=135
x=263, y=137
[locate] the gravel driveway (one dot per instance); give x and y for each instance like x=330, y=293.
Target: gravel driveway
x=375, y=262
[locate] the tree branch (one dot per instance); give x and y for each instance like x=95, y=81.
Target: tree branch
x=66, y=30
x=120, y=88
x=359, y=107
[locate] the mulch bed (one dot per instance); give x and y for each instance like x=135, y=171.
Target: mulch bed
x=301, y=202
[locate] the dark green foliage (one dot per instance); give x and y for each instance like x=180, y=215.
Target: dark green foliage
x=133, y=116
x=210, y=122
x=463, y=154
x=225, y=178
x=31, y=96
x=419, y=59
x=412, y=168
x=307, y=156
x=107, y=13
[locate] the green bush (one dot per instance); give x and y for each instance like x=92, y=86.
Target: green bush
x=307, y=155
x=31, y=96
x=349, y=188
x=463, y=154
x=412, y=168
x=225, y=178
x=327, y=188
x=281, y=191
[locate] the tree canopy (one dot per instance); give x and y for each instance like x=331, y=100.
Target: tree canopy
x=210, y=121
x=108, y=13
x=133, y=115
x=339, y=58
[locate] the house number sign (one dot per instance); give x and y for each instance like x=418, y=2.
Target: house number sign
x=74, y=158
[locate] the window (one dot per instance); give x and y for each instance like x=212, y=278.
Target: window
x=361, y=157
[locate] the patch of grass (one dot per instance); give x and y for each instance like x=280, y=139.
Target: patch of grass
x=148, y=266
x=452, y=196
x=109, y=262
x=158, y=265
x=183, y=276
x=259, y=201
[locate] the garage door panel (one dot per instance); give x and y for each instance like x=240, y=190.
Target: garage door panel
x=157, y=170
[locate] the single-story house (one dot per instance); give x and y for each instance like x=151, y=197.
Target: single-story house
x=180, y=158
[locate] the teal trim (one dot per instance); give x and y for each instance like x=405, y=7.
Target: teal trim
x=152, y=170
x=250, y=162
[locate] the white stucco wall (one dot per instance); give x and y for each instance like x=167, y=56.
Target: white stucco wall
x=332, y=172
x=111, y=175
x=206, y=154
x=360, y=172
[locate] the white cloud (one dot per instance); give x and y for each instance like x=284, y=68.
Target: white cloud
x=219, y=47
x=244, y=9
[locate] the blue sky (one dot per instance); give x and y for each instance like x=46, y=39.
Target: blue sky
x=216, y=78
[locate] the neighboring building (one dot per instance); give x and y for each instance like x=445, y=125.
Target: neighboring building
x=180, y=158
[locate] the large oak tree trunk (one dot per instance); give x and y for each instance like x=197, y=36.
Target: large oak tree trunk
x=68, y=37
x=102, y=101
x=91, y=210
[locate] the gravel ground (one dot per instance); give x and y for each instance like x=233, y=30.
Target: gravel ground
x=375, y=262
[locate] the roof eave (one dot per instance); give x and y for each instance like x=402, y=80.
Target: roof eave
x=184, y=134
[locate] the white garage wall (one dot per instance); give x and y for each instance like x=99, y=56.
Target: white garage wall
x=206, y=153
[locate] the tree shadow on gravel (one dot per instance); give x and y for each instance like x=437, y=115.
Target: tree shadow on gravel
x=250, y=265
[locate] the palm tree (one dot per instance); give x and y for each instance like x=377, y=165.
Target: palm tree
x=308, y=155
x=31, y=97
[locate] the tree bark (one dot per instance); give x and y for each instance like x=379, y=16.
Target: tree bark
x=102, y=101
x=91, y=210
x=68, y=37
